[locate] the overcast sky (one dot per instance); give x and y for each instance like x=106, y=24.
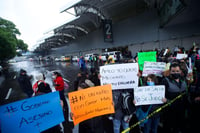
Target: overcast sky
x=33, y=18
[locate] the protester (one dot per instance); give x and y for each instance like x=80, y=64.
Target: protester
x=151, y=124
x=94, y=76
x=81, y=74
x=82, y=64
x=110, y=60
x=93, y=125
x=120, y=118
x=174, y=115
x=41, y=86
x=58, y=83
x=24, y=81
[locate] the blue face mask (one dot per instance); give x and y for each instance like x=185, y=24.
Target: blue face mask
x=150, y=83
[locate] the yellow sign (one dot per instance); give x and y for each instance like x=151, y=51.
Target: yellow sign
x=91, y=102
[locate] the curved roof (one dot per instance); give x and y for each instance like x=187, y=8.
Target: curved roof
x=90, y=14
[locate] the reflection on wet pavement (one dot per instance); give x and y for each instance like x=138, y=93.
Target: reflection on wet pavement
x=9, y=84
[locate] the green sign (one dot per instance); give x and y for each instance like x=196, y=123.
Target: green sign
x=146, y=56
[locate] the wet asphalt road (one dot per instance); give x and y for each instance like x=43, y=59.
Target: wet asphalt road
x=9, y=87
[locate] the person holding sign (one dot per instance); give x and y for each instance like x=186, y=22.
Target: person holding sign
x=40, y=88
x=150, y=125
x=174, y=117
x=93, y=125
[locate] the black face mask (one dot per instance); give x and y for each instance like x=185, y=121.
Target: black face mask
x=176, y=75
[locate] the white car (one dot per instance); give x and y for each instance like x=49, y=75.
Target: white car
x=87, y=56
x=113, y=54
x=75, y=58
x=57, y=59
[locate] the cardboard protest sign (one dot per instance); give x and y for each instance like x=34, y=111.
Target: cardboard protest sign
x=32, y=115
x=121, y=76
x=146, y=56
x=156, y=68
x=149, y=94
x=181, y=56
x=91, y=102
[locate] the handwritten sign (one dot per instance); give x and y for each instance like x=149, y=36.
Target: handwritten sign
x=31, y=115
x=146, y=56
x=181, y=56
x=149, y=94
x=91, y=102
x=121, y=76
x=156, y=68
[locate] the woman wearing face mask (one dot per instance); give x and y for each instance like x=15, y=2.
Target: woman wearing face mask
x=151, y=125
x=174, y=116
x=58, y=83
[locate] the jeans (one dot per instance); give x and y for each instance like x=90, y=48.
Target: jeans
x=117, y=124
x=152, y=125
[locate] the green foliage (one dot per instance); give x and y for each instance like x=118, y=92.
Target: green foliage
x=8, y=40
x=21, y=45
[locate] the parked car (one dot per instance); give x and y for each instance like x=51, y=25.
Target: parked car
x=75, y=58
x=87, y=56
x=57, y=59
x=65, y=58
x=113, y=54
x=103, y=56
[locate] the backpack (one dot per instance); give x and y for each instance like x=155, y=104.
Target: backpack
x=46, y=88
x=127, y=103
x=66, y=87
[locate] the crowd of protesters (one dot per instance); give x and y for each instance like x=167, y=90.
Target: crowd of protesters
x=181, y=76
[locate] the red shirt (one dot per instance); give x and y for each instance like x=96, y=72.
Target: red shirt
x=59, y=83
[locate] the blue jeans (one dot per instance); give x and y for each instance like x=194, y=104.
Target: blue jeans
x=117, y=124
x=151, y=125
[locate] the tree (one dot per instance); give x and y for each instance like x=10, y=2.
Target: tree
x=8, y=39
x=21, y=45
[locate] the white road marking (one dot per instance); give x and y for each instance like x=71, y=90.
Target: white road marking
x=8, y=94
x=14, y=77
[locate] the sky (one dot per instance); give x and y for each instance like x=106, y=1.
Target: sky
x=35, y=18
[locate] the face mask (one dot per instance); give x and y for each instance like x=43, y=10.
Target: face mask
x=150, y=83
x=53, y=76
x=176, y=75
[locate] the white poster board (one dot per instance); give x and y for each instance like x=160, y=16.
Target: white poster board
x=149, y=94
x=181, y=56
x=153, y=68
x=121, y=76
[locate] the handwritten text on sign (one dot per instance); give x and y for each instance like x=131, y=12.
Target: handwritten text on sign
x=91, y=102
x=121, y=76
x=149, y=94
x=146, y=56
x=156, y=68
x=31, y=115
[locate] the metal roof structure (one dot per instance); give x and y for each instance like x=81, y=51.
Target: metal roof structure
x=89, y=15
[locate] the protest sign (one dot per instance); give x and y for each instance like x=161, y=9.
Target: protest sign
x=181, y=56
x=146, y=56
x=91, y=102
x=156, y=68
x=121, y=76
x=149, y=94
x=32, y=115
